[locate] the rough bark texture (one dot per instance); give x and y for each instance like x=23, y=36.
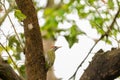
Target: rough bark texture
x=104, y=66
x=6, y=72
x=35, y=62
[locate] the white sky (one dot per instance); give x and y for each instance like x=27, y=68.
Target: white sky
x=67, y=59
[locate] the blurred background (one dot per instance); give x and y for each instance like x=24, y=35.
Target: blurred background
x=76, y=25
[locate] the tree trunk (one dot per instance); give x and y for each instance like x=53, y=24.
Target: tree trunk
x=35, y=61
x=104, y=66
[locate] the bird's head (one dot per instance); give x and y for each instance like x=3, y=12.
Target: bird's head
x=55, y=47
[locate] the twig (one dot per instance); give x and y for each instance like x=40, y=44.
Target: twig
x=114, y=20
x=10, y=58
x=13, y=26
x=7, y=12
x=3, y=34
x=96, y=11
x=102, y=36
x=17, y=37
x=117, y=3
x=73, y=76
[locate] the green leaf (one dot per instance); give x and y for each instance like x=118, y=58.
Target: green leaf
x=14, y=44
x=91, y=1
x=60, y=12
x=50, y=27
x=100, y=30
x=17, y=56
x=74, y=31
x=111, y=4
x=71, y=40
x=65, y=7
x=115, y=32
x=97, y=23
x=99, y=20
x=81, y=11
x=107, y=40
x=19, y=15
x=48, y=12
x=22, y=70
x=13, y=41
x=1, y=49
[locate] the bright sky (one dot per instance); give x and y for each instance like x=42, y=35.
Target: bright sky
x=67, y=59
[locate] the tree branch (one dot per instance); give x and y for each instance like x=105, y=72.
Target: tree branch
x=7, y=11
x=6, y=71
x=104, y=66
x=12, y=25
x=102, y=36
x=11, y=59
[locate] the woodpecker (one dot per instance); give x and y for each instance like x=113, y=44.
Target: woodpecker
x=50, y=56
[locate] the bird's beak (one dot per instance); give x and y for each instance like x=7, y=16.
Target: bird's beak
x=59, y=46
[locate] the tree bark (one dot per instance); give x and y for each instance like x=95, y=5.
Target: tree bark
x=104, y=66
x=6, y=71
x=35, y=61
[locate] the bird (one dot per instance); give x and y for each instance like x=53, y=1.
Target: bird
x=50, y=56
